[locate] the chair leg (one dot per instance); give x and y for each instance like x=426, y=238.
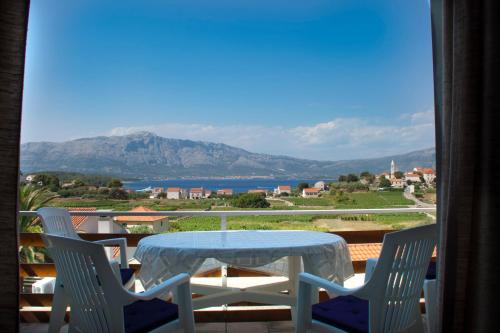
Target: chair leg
x=184, y=302
x=303, y=308
x=59, y=305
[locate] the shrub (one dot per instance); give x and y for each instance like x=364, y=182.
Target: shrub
x=118, y=193
x=140, y=229
x=250, y=200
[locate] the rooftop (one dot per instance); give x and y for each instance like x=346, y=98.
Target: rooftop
x=125, y=219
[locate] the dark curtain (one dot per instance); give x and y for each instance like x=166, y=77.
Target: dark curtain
x=467, y=76
x=13, y=28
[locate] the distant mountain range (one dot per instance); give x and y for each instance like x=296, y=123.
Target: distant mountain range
x=146, y=155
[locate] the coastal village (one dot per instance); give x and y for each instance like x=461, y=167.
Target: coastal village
x=395, y=179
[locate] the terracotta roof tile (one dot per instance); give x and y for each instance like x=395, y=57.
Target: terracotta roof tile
x=311, y=190
x=363, y=251
x=122, y=219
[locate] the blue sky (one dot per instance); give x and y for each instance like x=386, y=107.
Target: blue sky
x=316, y=79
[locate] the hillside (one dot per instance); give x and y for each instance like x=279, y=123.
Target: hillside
x=146, y=155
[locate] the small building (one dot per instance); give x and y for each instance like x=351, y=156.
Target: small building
x=176, y=193
x=413, y=176
x=429, y=175
x=158, y=224
x=397, y=183
x=155, y=192
x=385, y=175
x=258, y=190
x=225, y=191
x=310, y=192
x=208, y=193
x=196, y=193
x=281, y=189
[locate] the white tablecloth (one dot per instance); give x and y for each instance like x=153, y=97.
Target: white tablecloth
x=165, y=255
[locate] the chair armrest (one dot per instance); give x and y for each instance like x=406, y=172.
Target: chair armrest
x=370, y=267
x=161, y=289
x=122, y=242
x=331, y=287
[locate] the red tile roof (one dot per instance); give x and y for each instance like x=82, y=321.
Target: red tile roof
x=79, y=220
x=284, y=188
x=363, y=251
x=124, y=219
x=312, y=190
x=225, y=191
x=173, y=189
x=257, y=191
x=197, y=190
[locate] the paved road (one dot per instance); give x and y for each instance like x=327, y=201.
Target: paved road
x=418, y=203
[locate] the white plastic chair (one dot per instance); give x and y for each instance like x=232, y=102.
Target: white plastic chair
x=387, y=302
x=57, y=221
x=100, y=304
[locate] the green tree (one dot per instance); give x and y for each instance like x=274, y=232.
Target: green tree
x=384, y=182
x=351, y=178
x=302, y=186
x=369, y=177
x=78, y=182
x=118, y=193
x=49, y=181
x=398, y=174
x=250, y=200
x=115, y=183
x=342, y=178
x=32, y=198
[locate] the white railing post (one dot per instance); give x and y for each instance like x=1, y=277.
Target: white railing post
x=223, y=222
x=223, y=268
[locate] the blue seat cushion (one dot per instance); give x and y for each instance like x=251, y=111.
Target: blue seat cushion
x=348, y=313
x=431, y=271
x=126, y=274
x=144, y=316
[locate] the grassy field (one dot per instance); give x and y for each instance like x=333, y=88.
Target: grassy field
x=121, y=205
x=303, y=222
x=357, y=200
x=376, y=200
x=324, y=201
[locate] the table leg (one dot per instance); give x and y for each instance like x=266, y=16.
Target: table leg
x=293, y=274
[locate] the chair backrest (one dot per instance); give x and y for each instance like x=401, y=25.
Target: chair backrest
x=396, y=284
x=57, y=221
x=88, y=282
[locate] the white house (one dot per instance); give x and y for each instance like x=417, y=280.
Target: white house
x=156, y=191
x=428, y=175
x=225, y=191
x=176, y=193
x=196, y=193
x=283, y=189
x=310, y=192
x=157, y=224
x=397, y=183
x=413, y=176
